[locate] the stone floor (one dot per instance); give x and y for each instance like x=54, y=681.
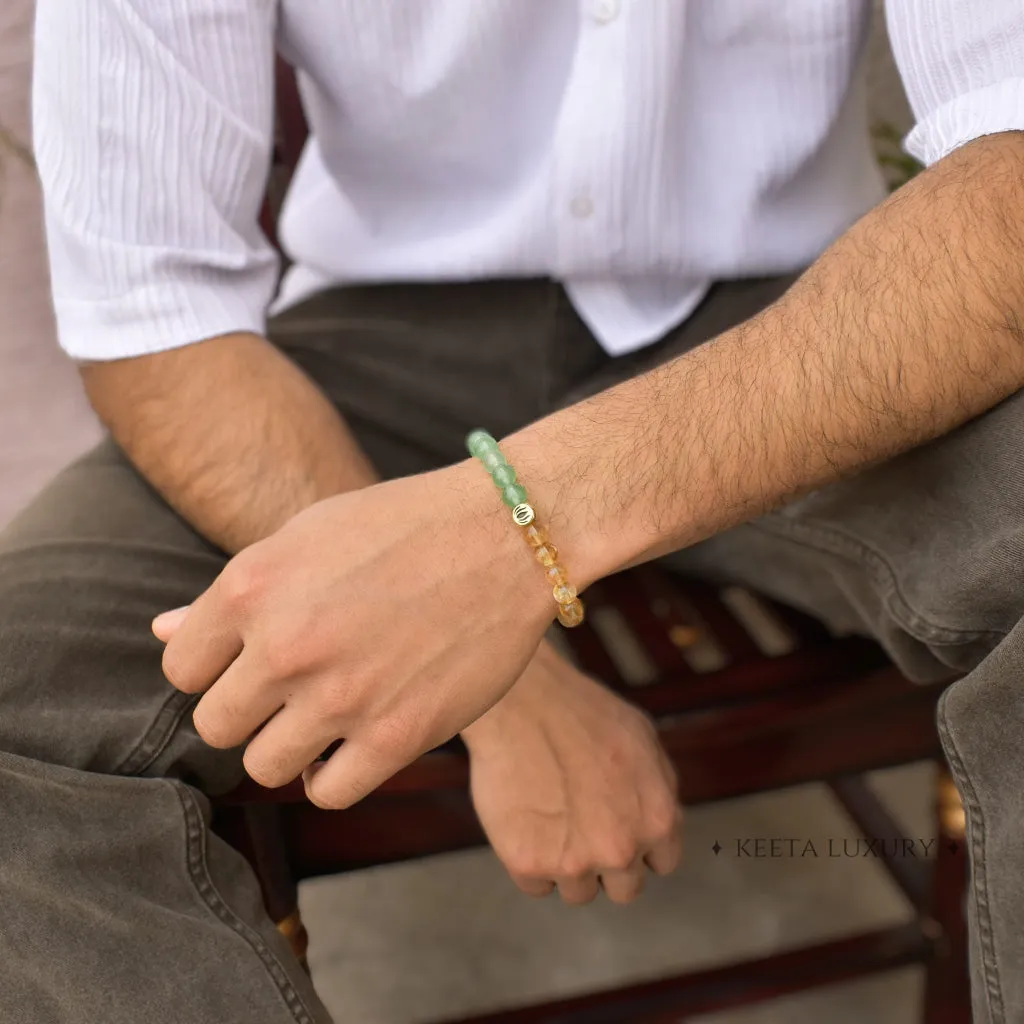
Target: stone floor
x=451, y=936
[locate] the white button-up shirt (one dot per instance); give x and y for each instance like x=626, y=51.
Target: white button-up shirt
x=635, y=150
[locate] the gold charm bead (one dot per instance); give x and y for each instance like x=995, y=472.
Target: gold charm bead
x=547, y=554
x=570, y=615
x=523, y=514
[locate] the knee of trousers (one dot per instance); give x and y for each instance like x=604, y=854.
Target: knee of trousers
x=81, y=682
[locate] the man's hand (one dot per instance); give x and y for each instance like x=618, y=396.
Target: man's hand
x=391, y=617
x=572, y=786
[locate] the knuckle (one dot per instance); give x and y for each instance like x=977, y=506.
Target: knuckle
x=394, y=734
x=526, y=864
x=175, y=668
x=618, y=854
x=575, y=866
x=339, y=698
x=662, y=818
x=285, y=656
x=243, y=579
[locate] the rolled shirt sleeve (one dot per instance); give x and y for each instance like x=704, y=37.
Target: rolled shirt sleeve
x=153, y=125
x=962, y=63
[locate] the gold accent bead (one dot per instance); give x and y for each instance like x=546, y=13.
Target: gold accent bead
x=556, y=574
x=547, y=554
x=523, y=514
x=564, y=593
x=570, y=615
x=536, y=536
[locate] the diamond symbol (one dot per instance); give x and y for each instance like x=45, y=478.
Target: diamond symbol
x=717, y=848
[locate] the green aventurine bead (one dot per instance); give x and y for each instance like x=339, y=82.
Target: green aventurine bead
x=493, y=461
x=504, y=476
x=514, y=494
x=480, y=442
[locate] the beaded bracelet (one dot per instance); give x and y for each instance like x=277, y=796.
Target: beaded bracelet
x=485, y=448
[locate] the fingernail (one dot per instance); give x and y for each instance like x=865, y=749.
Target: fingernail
x=167, y=623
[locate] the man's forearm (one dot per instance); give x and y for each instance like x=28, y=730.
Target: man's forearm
x=234, y=436
x=908, y=326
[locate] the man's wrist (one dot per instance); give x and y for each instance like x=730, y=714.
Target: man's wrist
x=568, y=470
x=529, y=697
x=496, y=540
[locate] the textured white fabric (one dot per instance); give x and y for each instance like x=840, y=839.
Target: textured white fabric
x=634, y=149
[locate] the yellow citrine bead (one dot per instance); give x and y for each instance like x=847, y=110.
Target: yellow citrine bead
x=570, y=615
x=556, y=574
x=547, y=554
x=564, y=593
x=536, y=536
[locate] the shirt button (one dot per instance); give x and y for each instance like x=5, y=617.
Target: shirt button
x=605, y=10
x=581, y=207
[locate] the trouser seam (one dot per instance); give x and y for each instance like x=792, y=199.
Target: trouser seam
x=979, y=874
x=837, y=542
x=195, y=848
x=155, y=739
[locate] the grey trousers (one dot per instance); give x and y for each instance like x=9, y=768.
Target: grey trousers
x=116, y=902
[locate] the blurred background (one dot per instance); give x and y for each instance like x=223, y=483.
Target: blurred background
x=450, y=936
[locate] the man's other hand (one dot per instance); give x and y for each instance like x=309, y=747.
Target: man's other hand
x=572, y=786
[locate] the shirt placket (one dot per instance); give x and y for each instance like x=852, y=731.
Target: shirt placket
x=587, y=166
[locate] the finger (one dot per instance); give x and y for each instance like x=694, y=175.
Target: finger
x=355, y=770
x=166, y=624
x=536, y=887
x=237, y=704
x=624, y=886
x=578, y=890
x=292, y=740
x=206, y=641
x=665, y=854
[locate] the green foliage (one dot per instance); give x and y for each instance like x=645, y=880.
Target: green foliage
x=898, y=167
